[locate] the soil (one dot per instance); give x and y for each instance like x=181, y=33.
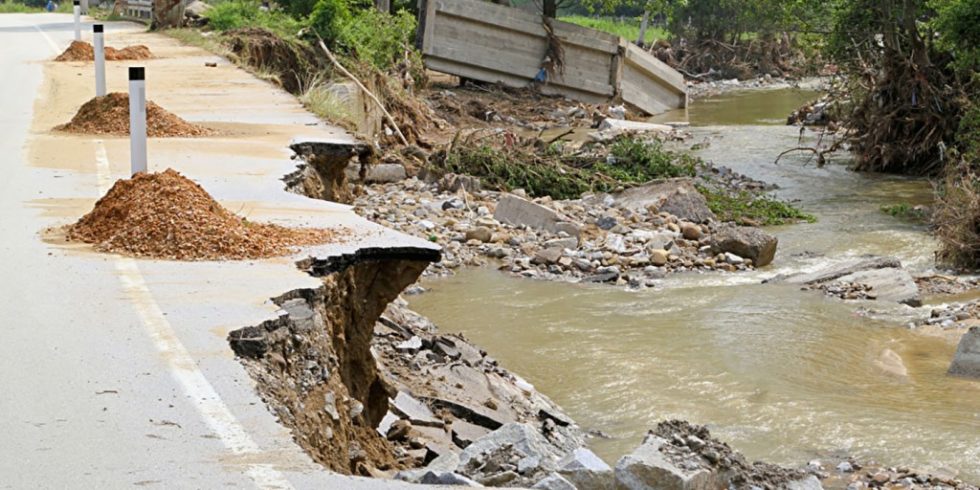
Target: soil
x=83, y=51
x=110, y=115
x=167, y=216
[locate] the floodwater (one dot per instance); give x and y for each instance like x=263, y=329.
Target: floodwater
x=781, y=374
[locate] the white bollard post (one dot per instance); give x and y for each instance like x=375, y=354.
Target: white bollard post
x=99, y=42
x=137, y=119
x=77, y=9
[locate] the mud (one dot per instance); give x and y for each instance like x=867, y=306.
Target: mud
x=83, y=51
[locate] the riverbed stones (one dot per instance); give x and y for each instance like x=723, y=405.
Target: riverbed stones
x=966, y=361
x=887, y=284
x=691, y=231
x=746, y=242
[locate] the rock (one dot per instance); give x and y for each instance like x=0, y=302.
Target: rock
x=659, y=257
x=585, y=470
x=520, y=212
x=615, y=243
x=647, y=468
x=845, y=467
x=381, y=173
x=678, y=197
x=455, y=182
x=570, y=243
x=415, y=411
x=691, y=231
x=622, y=126
x=547, y=256
x=733, y=259
x=966, y=361
x=521, y=437
x=839, y=270
x=464, y=433
x=386, y=422
x=890, y=362
x=411, y=345
x=480, y=233
x=809, y=483
x=887, y=284
x=746, y=242
x=398, y=430
x=433, y=478
x=196, y=9
x=554, y=482
x=606, y=222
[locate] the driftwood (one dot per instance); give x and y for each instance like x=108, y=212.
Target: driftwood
x=391, y=120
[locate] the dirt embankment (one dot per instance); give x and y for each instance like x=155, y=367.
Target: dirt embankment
x=166, y=215
x=83, y=51
x=110, y=115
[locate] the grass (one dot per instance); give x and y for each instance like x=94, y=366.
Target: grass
x=235, y=14
x=11, y=7
x=319, y=100
x=744, y=206
x=905, y=211
x=629, y=29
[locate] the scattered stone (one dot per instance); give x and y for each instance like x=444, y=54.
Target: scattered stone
x=585, y=470
x=411, y=345
x=678, y=197
x=481, y=233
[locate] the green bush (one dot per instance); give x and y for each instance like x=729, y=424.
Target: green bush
x=236, y=14
x=329, y=18
x=642, y=161
x=378, y=38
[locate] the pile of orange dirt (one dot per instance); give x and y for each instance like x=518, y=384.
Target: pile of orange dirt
x=110, y=115
x=167, y=216
x=83, y=51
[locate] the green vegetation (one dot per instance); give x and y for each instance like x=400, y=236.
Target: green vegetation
x=904, y=210
x=629, y=29
x=638, y=161
x=236, y=14
x=325, y=104
x=743, y=206
x=377, y=38
x=10, y=7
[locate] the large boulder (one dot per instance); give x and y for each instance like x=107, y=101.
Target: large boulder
x=517, y=211
x=647, y=468
x=678, y=197
x=966, y=361
x=746, y=242
x=585, y=470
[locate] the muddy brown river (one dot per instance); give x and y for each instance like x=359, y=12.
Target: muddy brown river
x=781, y=374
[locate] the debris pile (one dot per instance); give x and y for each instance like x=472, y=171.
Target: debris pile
x=110, y=115
x=166, y=215
x=83, y=51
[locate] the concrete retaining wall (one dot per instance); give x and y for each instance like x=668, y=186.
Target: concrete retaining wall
x=498, y=44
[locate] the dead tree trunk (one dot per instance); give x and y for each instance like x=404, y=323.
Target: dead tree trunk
x=643, y=28
x=167, y=14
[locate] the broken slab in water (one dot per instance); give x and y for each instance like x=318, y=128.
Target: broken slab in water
x=883, y=278
x=966, y=361
x=517, y=211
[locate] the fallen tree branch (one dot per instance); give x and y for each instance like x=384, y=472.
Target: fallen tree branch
x=391, y=120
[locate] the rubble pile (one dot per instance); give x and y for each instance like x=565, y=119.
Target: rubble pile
x=83, y=51
x=110, y=115
x=166, y=215
x=456, y=410
x=851, y=475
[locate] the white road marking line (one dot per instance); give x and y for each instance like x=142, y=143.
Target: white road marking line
x=182, y=366
x=54, y=46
